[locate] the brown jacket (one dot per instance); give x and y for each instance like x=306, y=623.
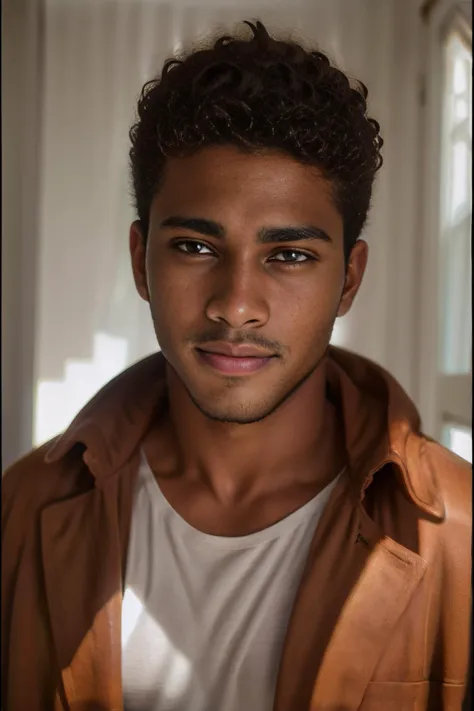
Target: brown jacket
x=381, y=620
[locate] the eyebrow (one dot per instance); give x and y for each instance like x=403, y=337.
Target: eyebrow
x=267, y=235
x=195, y=224
x=292, y=233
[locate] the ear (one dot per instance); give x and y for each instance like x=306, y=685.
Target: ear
x=138, y=257
x=354, y=275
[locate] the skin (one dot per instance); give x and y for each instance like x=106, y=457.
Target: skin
x=234, y=454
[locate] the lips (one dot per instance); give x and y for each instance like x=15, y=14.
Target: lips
x=236, y=351
x=234, y=359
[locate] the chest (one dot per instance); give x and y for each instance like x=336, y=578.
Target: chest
x=204, y=617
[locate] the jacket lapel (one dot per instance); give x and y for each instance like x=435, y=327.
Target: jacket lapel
x=344, y=612
x=82, y=566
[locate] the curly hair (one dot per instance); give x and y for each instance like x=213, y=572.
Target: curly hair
x=259, y=94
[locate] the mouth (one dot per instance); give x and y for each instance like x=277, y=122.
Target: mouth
x=237, y=360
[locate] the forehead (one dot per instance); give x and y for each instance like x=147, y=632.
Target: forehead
x=225, y=183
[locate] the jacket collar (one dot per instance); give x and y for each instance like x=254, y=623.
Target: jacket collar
x=381, y=424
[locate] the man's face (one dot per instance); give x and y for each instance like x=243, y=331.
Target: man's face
x=244, y=250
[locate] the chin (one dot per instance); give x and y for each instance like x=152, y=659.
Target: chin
x=245, y=415
x=246, y=407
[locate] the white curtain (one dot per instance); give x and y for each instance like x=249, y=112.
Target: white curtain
x=89, y=322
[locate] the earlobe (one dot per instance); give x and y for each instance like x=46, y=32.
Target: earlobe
x=138, y=258
x=354, y=275
x=345, y=302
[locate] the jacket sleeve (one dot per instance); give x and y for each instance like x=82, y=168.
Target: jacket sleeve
x=454, y=477
x=467, y=703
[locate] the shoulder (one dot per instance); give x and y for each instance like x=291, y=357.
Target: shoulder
x=30, y=484
x=449, y=540
x=453, y=478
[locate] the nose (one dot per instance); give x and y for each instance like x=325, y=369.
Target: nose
x=237, y=299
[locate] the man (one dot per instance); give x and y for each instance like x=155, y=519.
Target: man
x=251, y=519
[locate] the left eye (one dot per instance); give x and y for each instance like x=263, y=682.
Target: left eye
x=290, y=256
x=192, y=247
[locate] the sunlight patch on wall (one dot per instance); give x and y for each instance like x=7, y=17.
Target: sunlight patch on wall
x=59, y=401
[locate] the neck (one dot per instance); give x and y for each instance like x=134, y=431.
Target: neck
x=298, y=444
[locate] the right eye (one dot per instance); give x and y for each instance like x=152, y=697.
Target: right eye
x=192, y=247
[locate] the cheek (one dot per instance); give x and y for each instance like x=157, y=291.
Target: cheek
x=176, y=302
x=311, y=302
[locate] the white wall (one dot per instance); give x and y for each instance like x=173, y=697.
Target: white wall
x=97, y=56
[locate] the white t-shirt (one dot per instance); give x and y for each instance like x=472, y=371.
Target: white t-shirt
x=204, y=617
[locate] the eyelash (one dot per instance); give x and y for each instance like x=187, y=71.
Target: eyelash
x=308, y=257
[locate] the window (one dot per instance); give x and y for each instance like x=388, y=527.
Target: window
x=445, y=327
x=459, y=439
x=455, y=213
